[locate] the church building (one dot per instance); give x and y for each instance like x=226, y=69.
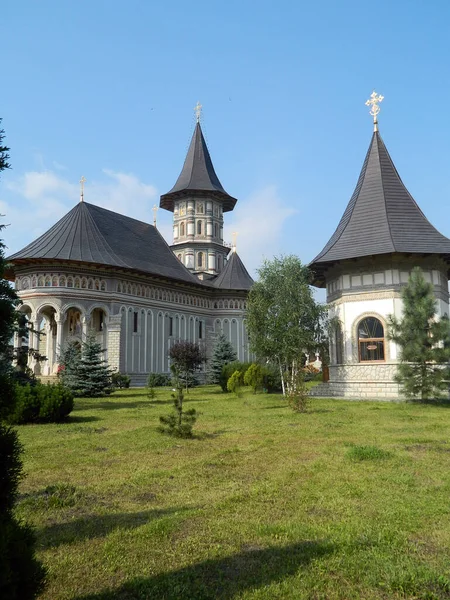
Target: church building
x=98, y=269
x=380, y=238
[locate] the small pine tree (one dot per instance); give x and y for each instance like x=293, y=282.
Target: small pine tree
x=424, y=342
x=223, y=354
x=180, y=422
x=93, y=376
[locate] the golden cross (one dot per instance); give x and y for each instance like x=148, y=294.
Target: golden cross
x=198, y=111
x=373, y=102
x=235, y=234
x=155, y=210
x=82, y=181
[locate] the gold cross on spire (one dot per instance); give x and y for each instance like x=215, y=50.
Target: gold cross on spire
x=373, y=102
x=82, y=182
x=155, y=210
x=198, y=111
x=233, y=247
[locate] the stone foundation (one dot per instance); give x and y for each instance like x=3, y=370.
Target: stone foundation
x=374, y=381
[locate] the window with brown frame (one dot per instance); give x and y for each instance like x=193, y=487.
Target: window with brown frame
x=371, y=340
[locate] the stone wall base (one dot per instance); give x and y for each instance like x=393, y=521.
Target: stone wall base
x=357, y=390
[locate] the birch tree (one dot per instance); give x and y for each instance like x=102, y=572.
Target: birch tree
x=284, y=321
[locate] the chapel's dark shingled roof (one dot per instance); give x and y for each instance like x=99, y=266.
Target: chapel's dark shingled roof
x=198, y=175
x=381, y=218
x=92, y=234
x=234, y=275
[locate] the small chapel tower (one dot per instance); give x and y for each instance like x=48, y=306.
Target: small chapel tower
x=198, y=202
x=380, y=238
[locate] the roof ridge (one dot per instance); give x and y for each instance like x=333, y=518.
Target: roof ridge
x=380, y=140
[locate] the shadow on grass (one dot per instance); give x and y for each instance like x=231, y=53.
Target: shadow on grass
x=97, y=526
x=78, y=419
x=111, y=405
x=223, y=578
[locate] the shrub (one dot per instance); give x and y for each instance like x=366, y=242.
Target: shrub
x=48, y=403
x=234, y=383
x=120, y=381
x=21, y=575
x=158, y=380
x=271, y=378
x=254, y=377
x=229, y=369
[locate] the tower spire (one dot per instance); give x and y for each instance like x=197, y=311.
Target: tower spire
x=373, y=102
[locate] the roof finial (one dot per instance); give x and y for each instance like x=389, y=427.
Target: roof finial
x=373, y=102
x=233, y=247
x=82, y=181
x=198, y=111
x=155, y=210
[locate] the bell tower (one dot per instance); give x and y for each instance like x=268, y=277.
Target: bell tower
x=198, y=202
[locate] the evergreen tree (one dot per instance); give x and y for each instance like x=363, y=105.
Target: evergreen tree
x=93, y=376
x=21, y=575
x=69, y=361
x=424, y=342
x=223, y=354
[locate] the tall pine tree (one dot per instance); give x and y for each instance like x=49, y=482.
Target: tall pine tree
x=21, y=575
x=223, y=354
x=423, y=340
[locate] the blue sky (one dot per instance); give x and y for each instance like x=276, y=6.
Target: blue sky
x=106, y=89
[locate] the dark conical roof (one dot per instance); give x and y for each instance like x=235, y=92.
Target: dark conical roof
x=381, y=218
x=234, y=275
x=92, y=234
x=198, y=175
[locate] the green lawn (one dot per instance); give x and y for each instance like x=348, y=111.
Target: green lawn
x=350, y=500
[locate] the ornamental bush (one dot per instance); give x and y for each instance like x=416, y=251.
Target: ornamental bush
x=120, y=381
x=158, y=380
x=229, y=369
x=254, y=377
x=234, y=383
x=40, y=403
x=271, y=378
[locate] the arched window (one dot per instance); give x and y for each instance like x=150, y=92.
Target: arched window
x=54, y=281
x=200, y=259
x=370, y=340
x=182, y=229
x=180, y=257
x=199, y=228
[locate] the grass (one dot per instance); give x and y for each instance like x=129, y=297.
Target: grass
x=349, y=500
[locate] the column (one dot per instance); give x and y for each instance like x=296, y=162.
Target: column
x=113, y=341
x=59, y=319
x=48, y=348
x=85, y=320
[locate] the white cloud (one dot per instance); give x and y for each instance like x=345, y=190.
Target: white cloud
x=259, y=222
x=35, y=201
